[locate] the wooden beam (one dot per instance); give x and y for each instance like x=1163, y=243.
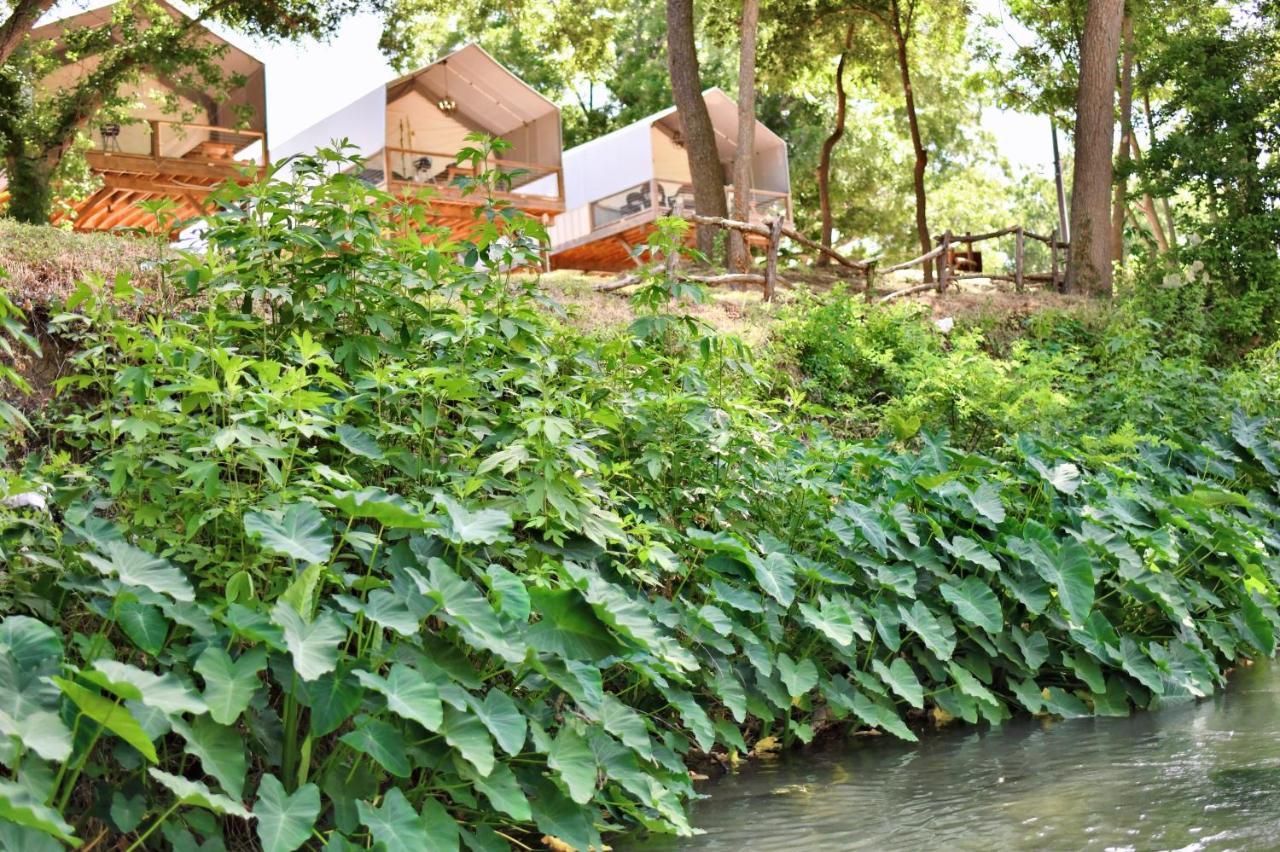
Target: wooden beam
x=89, y=206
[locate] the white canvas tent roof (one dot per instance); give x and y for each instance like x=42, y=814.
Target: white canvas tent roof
x=625, y=157
x=489, y=98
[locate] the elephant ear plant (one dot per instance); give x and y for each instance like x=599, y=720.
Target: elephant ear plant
x=362, y=549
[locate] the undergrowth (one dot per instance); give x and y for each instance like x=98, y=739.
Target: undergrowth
x=363, y=549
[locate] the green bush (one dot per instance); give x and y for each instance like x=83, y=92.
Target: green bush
x=361, y=550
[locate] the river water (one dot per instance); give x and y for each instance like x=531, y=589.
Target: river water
x=1194, y=776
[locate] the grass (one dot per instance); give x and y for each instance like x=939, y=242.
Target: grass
x=43, y=263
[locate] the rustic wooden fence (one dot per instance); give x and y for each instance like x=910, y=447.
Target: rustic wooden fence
x=952, y=263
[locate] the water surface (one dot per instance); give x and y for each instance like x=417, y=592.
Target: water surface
x=1194, y=776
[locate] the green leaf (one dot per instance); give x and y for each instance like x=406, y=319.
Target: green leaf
x=300, y=531
x=986, y=502
x=464, y=605
x=144, y=624
x=512, y=596
x=443, y=834
x=969, y=550
x=136, y=567
x=975, y=603
x=1028, y=694
x=229, y=685
x=111, y=715
x=628, y=725
x=695, y=718
x=557, y=815
x=359, y=442
x=34, y=645
x=383, y=743
x=503, y=719
x=853, y=516
x=970, y=685
x=479, y=526
x=776, y=576
x=1065, y=478
x=395, y=825
x=334, y=697
x=19, y=806
x=1034, y=647
x=409, y=695
x=880, y=715
x=799, y=677
x=41, y=731
x=1087, y=669
x=198, y=795
x=285, y=821
x=936, y=631
x=834, y=622
x=901, y=678
x=1065, y=704
x=573, y=759
x=568, y=626
x=220, y=749
x=466, y=733
x=390, y=510
x=313, y=645
x=1074, y=568
x=163, y=692
x=501, y=788
x=1254, y=626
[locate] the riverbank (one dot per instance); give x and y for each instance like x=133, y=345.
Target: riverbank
x=413, y=557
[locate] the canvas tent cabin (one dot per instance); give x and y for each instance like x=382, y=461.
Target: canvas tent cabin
x=174, y=142
x=410, y=131
x=618, y=185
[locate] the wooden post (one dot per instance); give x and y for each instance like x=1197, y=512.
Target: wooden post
x=386, y=168
x=944, y=263
x=155, y=138
x=771, y=262
x=1053, y=253
x=1018, y=246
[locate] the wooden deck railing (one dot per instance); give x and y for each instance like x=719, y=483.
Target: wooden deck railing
x=211, y=144
x=441, y=171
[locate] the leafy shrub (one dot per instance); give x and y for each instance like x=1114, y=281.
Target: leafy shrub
x=360, y=550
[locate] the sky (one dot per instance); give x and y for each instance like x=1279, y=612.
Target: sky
x=308, y=80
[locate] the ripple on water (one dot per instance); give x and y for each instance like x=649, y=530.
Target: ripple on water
x=1194, y=776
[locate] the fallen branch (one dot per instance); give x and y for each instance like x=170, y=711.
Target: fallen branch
x=916, y=261
x=919, y=288
x=618, y=284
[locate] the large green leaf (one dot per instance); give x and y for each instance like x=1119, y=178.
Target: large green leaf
x=975, y=603
x=851, y=517
x=359, y=442
x=628, y=725
x=19, y=806
x=220, y=749
x=901, y=678
x=465, y=605
x=568, y=627
x=776, y=575
x=375, y=504
x=163, y=692
x=573, y=759
x=136, y=567
x=395, y=825
x=382, y=742
x=334, y=697
x=985, y=500
x=695, y=718
x=1074, y=568
x=465, y=732
x=558, y=816
x=503, y=719
x=145, y=624
x=797, y=677
x=194, y=793
x=1254, y=625
x=509, y=590
x=970, y=550
x=285, y=821
x=229, y=684
x=409, y=695
x=500, y=787
x=936, y=631
x=34, y=645
x=880, y=715
x=475, y=526
x=113, y=716
x=312, y=645
x=299, y=531
x=831, y=620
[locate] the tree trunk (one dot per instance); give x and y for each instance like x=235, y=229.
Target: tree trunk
x=922, y=157
x=1148, y=206
x=1120, y=192
x=1151, y=132
x=30, y=187
x=705, y=168
x=828, y=146
x=21, y=19
x=1089, y=259
x=739, y=256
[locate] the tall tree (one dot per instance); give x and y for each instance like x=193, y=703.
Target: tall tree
x=1120, y=201
x=901, y=28
x=744, y=153
x=705, y=169
x=829, y=145
x=1089, y=258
